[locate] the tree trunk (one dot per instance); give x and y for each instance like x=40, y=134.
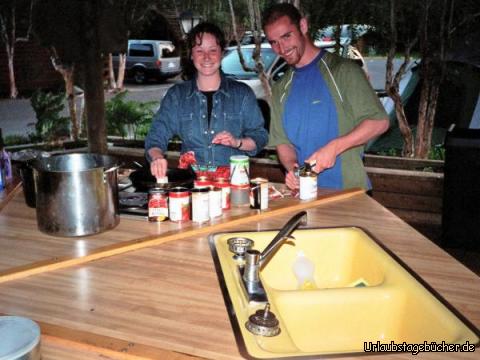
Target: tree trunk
x=423, y=109
x=95, y=102
x=112, y=84
x=392, y=84
x=122, y=62
x=425, y=128
x=93, y=67
x=408, y=144
x=11, y=71
x=72, y=107
x=67, y=72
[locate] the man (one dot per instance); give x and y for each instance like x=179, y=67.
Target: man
x=323, y=109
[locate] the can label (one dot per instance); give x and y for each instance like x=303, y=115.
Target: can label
x=259, y=194
x=200, y=205
x=215, y=202
x=239, y=170
x=157, y=205
x=224, y=185
x=179, y=204
x=308, y=187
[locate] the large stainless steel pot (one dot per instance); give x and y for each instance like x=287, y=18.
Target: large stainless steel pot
x=76, y=194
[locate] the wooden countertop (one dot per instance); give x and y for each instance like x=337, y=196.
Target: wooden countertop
x=164, y=301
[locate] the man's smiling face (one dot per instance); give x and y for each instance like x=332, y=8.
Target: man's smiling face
x=287, y=40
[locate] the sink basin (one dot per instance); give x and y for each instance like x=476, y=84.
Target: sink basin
x=359, y=294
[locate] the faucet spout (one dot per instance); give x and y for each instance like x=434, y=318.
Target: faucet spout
x=284, y=234
x=254, y=260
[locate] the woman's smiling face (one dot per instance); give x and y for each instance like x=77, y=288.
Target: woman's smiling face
x=207, y=55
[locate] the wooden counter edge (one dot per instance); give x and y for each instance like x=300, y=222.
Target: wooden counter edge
x=57, y=263
x=11, y=191
x=105, y=345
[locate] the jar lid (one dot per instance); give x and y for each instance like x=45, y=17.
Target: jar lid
x=18, y=336
x=200, y=190
x=158, y=189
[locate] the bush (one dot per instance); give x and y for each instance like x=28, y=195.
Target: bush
x=128, y=117
x=11, y=140
x=47, y=106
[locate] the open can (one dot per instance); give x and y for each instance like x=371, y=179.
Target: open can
x=259, y=193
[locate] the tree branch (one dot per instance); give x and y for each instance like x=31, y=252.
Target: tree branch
x=463, y=22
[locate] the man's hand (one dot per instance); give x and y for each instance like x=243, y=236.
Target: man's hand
x=291, y=180
x=325, y=157
x=159, y=167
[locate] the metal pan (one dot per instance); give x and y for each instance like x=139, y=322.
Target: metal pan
x=143, y=180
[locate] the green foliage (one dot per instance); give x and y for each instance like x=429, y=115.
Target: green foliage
x=48, y=106
x=437, y=153
x=128, y=116
x=390, y=152
x=11, y=140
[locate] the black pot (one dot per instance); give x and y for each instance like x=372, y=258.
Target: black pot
x=142, y=180
x=23, y=161
x=28, y=184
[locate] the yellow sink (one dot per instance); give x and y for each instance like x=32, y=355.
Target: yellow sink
x=358, y=297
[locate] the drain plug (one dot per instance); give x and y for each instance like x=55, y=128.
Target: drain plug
x=239, y=245
x=263, y=323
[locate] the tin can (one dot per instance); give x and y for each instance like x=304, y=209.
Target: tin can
x=259, y=193
x=239, y=170
x=202, y=182
x=215, y=202
x=200, y=204
x=308, y=184
x=157, y=204
x=179, y=204
x=224, y=185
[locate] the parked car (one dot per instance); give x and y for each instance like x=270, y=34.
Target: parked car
x=348, y=32
x=274, y=65
x=150, y=59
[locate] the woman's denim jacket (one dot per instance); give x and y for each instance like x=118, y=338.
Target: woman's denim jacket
x=183, y=112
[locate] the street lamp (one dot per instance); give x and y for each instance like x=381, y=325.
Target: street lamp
x=189, y=20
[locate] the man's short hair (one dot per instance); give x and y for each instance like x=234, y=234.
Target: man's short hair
x=276, y=11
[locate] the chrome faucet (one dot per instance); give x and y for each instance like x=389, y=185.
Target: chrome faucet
x=255, y=261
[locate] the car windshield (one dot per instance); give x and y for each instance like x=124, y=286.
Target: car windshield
x=231, y=62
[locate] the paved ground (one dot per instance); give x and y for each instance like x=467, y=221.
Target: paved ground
x=18, y=117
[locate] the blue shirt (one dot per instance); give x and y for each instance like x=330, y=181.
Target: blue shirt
x=310, y=119
x=184, y=112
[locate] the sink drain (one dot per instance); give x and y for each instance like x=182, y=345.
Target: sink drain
x=263, y=323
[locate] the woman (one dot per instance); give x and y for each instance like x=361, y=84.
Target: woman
x=215, y=116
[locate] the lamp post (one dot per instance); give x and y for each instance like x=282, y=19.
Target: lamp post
x=188, y=20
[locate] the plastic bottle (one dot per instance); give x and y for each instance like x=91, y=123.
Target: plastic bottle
x=304, y=269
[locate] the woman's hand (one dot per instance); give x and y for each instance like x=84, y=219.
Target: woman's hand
x=159, y=167
x=227, y=139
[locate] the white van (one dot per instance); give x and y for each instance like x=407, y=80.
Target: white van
x=150, y=59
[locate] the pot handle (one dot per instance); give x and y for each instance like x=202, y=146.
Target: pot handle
x=105, y=172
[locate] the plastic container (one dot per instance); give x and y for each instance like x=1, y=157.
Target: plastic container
x=19, y=339
x=304, y=270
